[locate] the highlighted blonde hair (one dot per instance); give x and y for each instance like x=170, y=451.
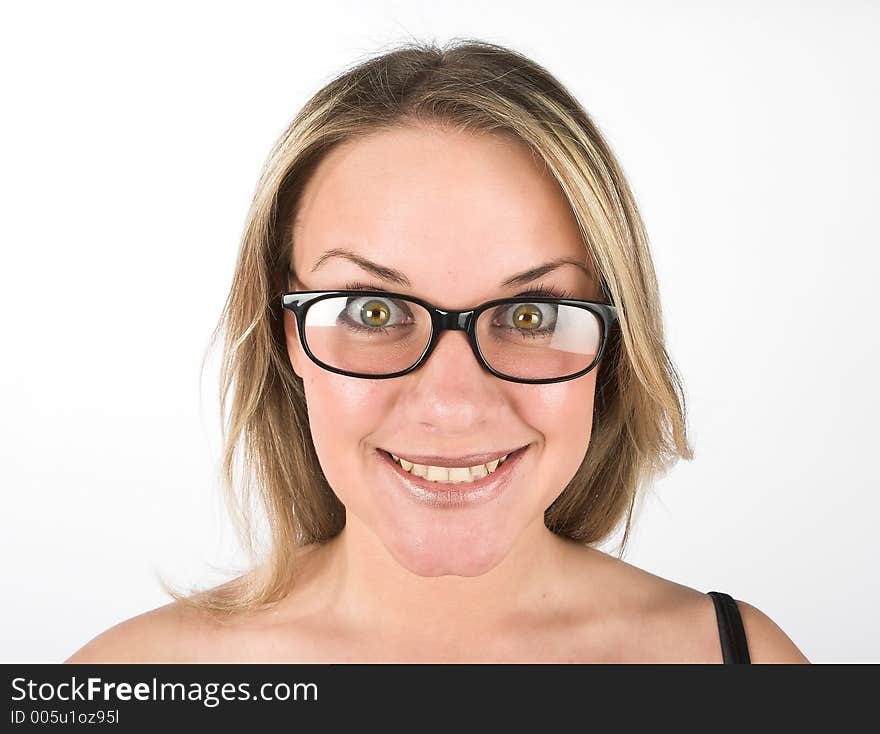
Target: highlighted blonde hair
x=639, y=424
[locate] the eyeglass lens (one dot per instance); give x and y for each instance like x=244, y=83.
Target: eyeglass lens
x=373, y=335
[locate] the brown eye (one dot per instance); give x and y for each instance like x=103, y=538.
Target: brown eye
x=375, y=313
x=527, y=317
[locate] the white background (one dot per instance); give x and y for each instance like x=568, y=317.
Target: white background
x=132, y=139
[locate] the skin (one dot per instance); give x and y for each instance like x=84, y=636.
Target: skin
x=400, y=199
x=457, y=213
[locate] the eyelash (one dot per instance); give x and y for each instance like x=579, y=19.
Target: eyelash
x=538, y=290
x=356, y=285
x=546, y=290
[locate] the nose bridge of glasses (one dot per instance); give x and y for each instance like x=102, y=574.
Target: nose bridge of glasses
x=450, y=320
x=454, y=320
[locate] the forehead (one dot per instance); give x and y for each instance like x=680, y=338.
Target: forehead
x=434, y=202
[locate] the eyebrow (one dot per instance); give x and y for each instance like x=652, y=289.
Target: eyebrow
x=398, y=278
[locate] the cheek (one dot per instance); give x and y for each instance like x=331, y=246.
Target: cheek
x=563, y=414
x=342, y=412
x=562, y=408
x=340, y=405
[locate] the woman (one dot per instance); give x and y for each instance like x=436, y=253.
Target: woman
x=433, y=482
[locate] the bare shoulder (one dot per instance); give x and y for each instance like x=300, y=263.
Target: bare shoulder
x=168, y=634
x=659, y=620
x=767, y=642
x=187, y=632
x=693, y=616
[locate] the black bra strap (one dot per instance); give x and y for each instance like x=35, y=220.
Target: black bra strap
x=734, y=647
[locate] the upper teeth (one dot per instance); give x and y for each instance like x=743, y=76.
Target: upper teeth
x=450, y=474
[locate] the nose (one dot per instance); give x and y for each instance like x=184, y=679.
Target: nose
x=451, y=390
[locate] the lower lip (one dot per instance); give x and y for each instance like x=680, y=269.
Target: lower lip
x=459, y=494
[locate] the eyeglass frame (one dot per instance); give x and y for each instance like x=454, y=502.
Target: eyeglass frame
x=448, y=320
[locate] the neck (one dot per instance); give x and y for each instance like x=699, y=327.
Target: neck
x=364, y=587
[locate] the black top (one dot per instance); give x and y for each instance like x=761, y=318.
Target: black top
x=734, y=647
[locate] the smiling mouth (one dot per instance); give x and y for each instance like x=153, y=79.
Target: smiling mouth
x=452, y=474
x=441, y=486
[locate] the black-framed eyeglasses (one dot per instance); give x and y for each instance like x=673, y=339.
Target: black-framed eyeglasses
x=378, y=335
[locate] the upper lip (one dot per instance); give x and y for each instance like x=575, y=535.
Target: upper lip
x=454, y=461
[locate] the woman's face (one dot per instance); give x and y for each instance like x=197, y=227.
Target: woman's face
x=456, y=214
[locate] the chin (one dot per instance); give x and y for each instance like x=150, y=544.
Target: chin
x=435, y=553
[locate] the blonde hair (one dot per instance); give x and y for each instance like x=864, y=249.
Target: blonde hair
x=639, y=425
